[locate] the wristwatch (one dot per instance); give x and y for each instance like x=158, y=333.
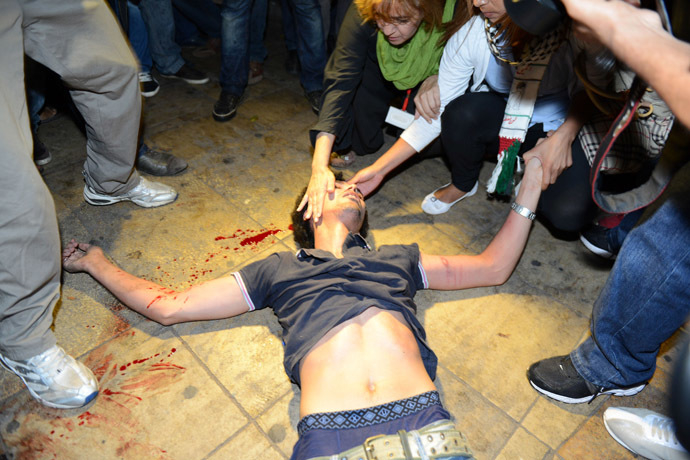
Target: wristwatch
x=523, y=211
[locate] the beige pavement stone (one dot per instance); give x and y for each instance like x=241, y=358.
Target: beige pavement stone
x=279, y=422
x=151, y=388
x=485, y=426
x=489, y=341
x=249, y=444
x=552, y=422
x=245, y=354
x=523, y=446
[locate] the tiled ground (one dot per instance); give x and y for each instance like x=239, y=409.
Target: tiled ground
x=217, y=389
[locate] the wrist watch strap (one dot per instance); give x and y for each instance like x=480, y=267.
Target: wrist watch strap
x=523, y=211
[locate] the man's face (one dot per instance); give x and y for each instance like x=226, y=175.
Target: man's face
x=347, y=202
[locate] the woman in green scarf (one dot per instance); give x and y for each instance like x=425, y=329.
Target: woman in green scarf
x=385, y=49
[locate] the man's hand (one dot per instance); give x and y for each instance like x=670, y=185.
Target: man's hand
x=76, y=256
x=591, y=18
x=322, y=182
x=367, y=180
x=555, y=155
x=428, y=100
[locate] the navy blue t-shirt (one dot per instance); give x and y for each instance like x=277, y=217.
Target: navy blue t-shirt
x=312, y=291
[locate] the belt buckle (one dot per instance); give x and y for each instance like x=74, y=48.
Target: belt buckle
x=368, y=448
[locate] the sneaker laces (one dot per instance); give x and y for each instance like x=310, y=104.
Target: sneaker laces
x=664, y=430
x=50, y=362
x=145, y=77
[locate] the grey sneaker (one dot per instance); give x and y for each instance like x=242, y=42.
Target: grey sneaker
x=55, y=379
x=146, y=194
x=644, y=433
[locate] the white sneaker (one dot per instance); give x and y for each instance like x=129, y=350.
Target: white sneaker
x=432, y=205
x=55, y=379
x=644, y=433
x=146, y=194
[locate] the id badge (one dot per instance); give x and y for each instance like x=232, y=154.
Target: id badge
x=399, y=118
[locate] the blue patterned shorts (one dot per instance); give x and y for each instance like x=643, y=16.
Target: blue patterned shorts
x=328, y=433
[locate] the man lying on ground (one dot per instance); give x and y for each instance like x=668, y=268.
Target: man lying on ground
x=352, y=340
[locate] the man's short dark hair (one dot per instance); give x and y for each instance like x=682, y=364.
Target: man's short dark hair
x=302, y=231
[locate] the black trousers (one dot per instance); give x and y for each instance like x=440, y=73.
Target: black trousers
x=373, y=97
x=470, y=126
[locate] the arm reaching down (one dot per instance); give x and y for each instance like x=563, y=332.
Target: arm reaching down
x=322, y=180
x=220, y=298
x=497, y=262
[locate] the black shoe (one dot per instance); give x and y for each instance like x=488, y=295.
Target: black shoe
x=149, y=85
x=42, y=155
x=557, y=378
x=292, y=63
x=314, y=98
x=595, y=238
x=189, y=74
x=225, y=107
x=158, y=163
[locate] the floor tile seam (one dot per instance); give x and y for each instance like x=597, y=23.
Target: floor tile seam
x=521, y=425
x=577, y=430
x=479, y=393
x=251, y=420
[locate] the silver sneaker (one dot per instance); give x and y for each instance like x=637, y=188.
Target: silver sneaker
x=55, y=379
x=644, y=433
x=146, y=194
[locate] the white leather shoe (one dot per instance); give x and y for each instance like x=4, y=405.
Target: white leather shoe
x=432, y=205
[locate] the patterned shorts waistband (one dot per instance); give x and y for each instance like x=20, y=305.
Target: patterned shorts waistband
x=360, y=418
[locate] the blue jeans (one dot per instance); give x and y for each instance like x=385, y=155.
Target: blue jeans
x=195, y=16
x=139, y=38
x=234, y=69
x=257, y=21
x=646, y=299
x=158, y=16
x=617, y=234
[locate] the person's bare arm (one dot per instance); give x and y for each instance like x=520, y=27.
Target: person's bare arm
x=554, y=151
x=322, y=180
x=497, y=262
x=220, y=298
x=637, y=38
x=369, y=178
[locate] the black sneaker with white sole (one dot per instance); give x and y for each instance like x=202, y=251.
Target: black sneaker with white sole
x=558, y=379
x=188, y=74
x=595, y=238
x=149, y=85
x=225, y=107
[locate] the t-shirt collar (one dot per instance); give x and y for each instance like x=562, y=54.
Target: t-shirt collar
x=353, y=240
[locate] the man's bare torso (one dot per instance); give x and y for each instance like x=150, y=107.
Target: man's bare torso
x=368, y=360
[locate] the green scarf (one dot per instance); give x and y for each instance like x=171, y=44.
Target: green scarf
x=407, y=65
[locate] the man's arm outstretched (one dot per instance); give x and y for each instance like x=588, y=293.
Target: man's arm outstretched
x=220, y=298
x=496, y=263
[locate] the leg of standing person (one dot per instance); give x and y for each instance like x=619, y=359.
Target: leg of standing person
x=234, y=66
x=257, y=49
x=311, y=49
x=204, y=14
x=84, y=45
x=139, y=39
x=166, y=53
x=646, y=299
x=30, y=249
x=290, y=34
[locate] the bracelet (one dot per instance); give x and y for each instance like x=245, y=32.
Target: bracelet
x=523, y=211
